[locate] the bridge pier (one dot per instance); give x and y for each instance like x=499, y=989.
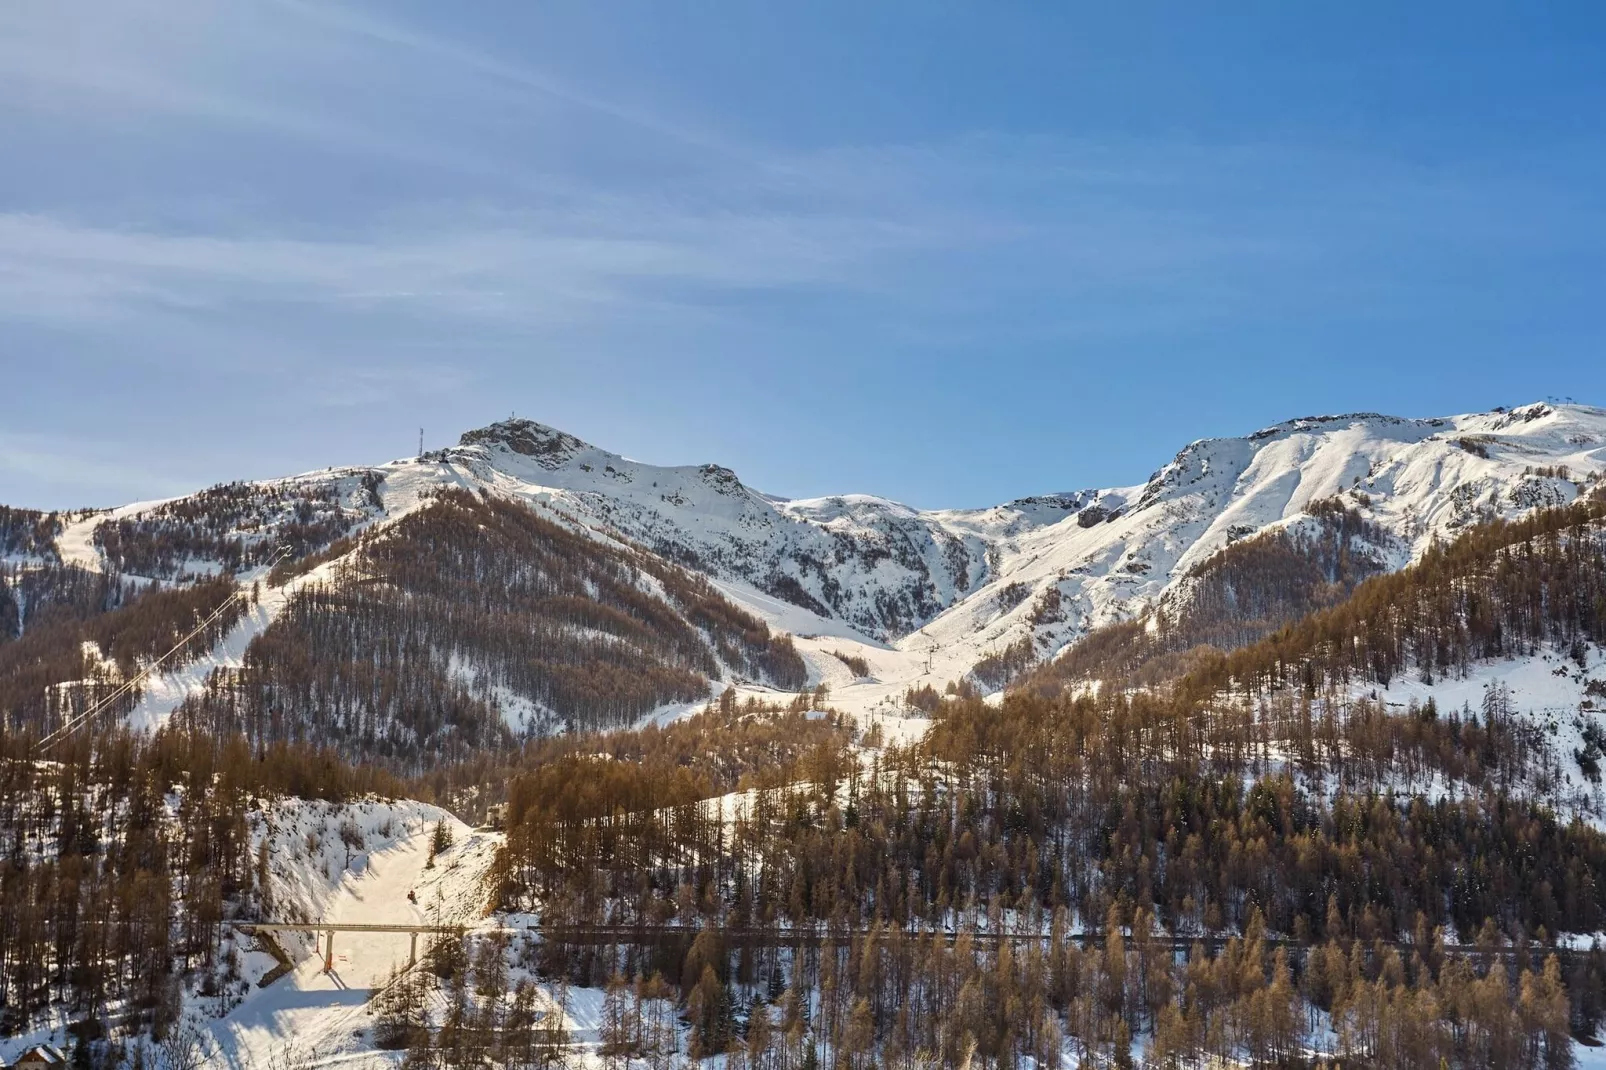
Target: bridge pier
x=324, y=934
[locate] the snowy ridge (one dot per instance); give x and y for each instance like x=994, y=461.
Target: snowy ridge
x=877, y=565
x=965, y=582
x=1417, y=480
x=928, y=593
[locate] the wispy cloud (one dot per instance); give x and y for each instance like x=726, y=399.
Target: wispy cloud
x=541, y=236
x=140, y=61
x=528, y=266
x=75, y=469
x=279, y=205
x=387, y=33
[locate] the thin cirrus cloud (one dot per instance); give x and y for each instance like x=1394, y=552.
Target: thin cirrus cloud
x=532, y=238
x=528, y=267
x=283, y=203
x=619, y=253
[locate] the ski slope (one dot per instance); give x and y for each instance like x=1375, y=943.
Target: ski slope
x=165, y=692
x=926, y=594
x=323, y=1015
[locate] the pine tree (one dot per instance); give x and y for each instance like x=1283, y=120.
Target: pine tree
x=858, y=1037
x=440, y=842
x=614, y=1031
x=760, y=1036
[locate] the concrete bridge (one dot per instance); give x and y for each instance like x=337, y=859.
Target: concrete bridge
x=326, y=933
x=813, y=937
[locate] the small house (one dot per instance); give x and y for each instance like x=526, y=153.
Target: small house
x=41, y=1057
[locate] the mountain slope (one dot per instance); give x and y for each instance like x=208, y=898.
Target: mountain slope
x=925, y=596
x=473, y=619
x=953, y=586
x=1412, y=480
x=1287, y=825
x=875, y=564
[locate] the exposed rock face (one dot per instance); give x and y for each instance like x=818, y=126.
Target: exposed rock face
x=547, y=446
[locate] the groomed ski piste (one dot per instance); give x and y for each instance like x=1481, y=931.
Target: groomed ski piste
x=323, y=1017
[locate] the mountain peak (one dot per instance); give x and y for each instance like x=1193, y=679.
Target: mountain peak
x=548, y=446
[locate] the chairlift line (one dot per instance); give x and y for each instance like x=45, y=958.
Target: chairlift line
x=65, y=730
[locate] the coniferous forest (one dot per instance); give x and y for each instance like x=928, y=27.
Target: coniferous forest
x=1252, y=859
x=473, y=621
x=802, y=536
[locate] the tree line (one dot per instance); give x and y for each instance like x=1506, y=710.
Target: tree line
x=120, y=859
x=1282, y=610
x=1325, y=911
x=1353, y=844
x=473, y=621
x=29, y=533
x=229, y=527
x=79, y=634
x=1246, y=590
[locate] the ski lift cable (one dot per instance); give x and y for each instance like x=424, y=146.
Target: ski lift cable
x=133, y=682
x=67, y=729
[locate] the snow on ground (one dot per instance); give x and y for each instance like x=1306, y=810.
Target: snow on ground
x=1045, y=568
x=873, y=699
x=1417, y=479
x=316, y=875
x=1549, y=683
x=310, y=865
x=523, y=715
x=323, y=1015
x=670, y=712
x=1549, y=688
x=403, y=490
x=877, y=698
x=164, y=693
x=76, y=543
x=784, y=616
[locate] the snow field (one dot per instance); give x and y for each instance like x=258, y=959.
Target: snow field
x=317, y=876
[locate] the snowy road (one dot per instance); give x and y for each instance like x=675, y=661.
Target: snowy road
x=324, y=1015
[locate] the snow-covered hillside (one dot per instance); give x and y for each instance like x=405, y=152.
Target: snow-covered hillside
x=1562, y=692
x=927, y=594
x=879, y=566
x=366, y=861
x=1416, y=479
x=379, y=872
x=965, y=583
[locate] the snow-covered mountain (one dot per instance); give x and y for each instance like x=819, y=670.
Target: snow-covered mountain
x=924, y=595
x=960, y=583
x=1415, y=479
x=874, y=564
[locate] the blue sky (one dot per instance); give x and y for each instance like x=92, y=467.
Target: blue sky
x=948, y=253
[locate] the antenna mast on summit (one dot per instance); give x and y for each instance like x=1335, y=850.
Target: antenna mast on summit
x=420, y=441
